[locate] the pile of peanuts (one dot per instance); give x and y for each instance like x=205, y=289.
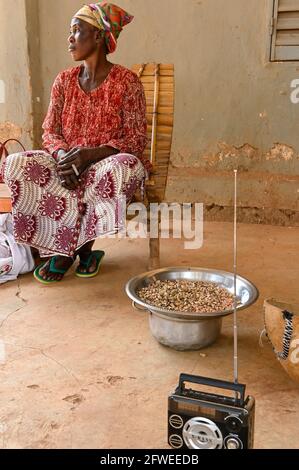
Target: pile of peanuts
x=187, y=296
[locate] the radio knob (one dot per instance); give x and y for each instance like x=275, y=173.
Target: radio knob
x=175, y=441
x=233, y=443
x=233, y=424
x=176, y=421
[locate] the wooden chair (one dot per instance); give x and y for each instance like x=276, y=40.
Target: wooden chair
x=158, y=83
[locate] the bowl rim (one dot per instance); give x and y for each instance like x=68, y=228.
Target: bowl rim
x=187, y=315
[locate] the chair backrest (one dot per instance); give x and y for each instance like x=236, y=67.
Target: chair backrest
x=158, y=82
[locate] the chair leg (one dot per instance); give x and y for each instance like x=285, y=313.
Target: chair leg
x=154, y=247
x=154, y=259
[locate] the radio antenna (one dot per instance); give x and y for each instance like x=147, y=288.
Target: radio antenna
x=235, y=283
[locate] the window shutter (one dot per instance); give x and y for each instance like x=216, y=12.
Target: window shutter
x=285, y=32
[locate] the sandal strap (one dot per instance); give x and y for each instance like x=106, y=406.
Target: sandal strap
x=88, y=261
x=53, y=269
x=96, y=253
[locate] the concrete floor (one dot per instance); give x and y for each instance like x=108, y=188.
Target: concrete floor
x=80, y=368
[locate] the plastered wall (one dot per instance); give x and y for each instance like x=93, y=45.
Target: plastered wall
x=233, y=107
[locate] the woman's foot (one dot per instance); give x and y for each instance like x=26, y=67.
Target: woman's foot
x=82, y=269
x=61, y=262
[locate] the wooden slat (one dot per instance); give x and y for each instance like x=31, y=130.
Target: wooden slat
x=162, y=134
x=162, y=159
x=163, y=119
x=288, y=20
x=163, y=145
x=160, y=153
x=162, y=130
x=161, y=167
x=149, y=76
x=164, y=87
x=151, y=66
x=164, y=73
x=161, y=109
x=164, y=138
x=288, y=38
x=161, y=171
x=286, y=53
x=288, y=5
x=159, y=181
x=150, y=69
x=162, y=162
x=165, y=99
x=158, y=187
x=164, y=94
x=150, y=79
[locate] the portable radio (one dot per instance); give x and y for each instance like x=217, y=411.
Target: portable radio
x=201, y=420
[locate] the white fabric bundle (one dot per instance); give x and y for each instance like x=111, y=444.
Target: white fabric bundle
x=15, y=259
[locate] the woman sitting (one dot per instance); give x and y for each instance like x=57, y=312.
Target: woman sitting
x=70, y=193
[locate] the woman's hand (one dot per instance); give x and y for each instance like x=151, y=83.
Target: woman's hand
x=78, y=157
x=82, y=158
x=67, y=182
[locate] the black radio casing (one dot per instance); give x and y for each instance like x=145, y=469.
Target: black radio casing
x=201, y=420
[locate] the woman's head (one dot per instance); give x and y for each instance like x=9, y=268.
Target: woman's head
x=85, y=40
x=96, y=26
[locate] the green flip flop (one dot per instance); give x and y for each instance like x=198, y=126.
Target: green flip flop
x=52, y=269
x=99, y=255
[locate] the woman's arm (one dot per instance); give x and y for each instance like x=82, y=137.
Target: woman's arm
x=53, y=139
x=134, y=133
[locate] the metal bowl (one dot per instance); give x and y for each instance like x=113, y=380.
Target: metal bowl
x=247, y=293
x=189, y=330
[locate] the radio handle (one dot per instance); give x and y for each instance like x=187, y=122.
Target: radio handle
x=239, y=388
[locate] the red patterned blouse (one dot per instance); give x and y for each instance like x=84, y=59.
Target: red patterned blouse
x=112, y=114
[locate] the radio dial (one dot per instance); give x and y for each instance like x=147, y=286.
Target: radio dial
x=233, y=424
x=233, y=442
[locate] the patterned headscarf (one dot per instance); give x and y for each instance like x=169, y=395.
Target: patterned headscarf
x=106, y=17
